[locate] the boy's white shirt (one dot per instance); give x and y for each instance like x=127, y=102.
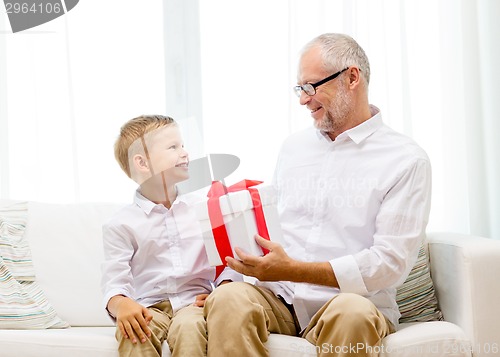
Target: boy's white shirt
x=153, y=253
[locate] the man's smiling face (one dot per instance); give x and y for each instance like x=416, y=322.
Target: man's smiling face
x=332, y=103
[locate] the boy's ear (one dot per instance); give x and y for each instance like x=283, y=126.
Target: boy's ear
x=140, y=163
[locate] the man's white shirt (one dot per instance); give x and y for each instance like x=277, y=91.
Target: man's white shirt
x=360, y=202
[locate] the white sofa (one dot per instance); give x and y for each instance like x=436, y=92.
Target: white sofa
x=65, y=241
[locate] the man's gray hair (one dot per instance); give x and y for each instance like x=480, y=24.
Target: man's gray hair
x=340, y=51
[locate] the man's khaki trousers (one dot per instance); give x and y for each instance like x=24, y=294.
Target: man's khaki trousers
x=240, y=317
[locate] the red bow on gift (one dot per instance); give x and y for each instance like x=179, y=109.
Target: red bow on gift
x=219, y=231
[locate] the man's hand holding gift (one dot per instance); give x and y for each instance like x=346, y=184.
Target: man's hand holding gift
x=278, y=266
x=274, y=266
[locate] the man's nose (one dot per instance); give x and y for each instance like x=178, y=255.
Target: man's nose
x=304, y=98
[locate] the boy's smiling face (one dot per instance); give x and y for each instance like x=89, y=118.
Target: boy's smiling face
x=167, y=154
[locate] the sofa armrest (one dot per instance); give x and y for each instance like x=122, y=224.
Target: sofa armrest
x=465, y=271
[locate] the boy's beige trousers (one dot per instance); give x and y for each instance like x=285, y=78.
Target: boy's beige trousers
x=185, y=333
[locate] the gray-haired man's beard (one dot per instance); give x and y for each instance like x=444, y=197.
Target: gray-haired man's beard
x=336, y=117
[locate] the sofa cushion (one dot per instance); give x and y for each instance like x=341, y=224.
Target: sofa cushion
x=66, y=243
x=416, y=297
x=435, y=338
x=74, y=342
x=14, y=247
x=424, y=339
x=23, y=304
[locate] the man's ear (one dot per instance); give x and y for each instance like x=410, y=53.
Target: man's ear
x=354, y=77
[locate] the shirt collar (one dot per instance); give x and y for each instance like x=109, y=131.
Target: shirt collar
x=363, y=130
x=147, y=205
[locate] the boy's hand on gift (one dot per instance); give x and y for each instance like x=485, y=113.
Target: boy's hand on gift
x=274, y=266
x=133, y=319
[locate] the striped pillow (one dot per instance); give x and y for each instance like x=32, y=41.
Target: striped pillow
x=416, y=298
x=23, y=304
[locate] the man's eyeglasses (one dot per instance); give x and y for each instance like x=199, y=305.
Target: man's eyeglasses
x=310, y=88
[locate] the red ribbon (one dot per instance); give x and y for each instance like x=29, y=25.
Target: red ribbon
x=219, y=231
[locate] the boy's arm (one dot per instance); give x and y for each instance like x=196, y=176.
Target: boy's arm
x=131, y=318
x=117, y=278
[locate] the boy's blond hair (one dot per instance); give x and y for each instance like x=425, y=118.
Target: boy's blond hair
x=131, y=140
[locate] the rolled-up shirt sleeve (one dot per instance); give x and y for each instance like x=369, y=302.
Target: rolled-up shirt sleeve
x=116, y=271
x=399, y=232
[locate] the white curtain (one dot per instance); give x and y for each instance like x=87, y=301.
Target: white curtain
x=67, y=86
x=435, y=76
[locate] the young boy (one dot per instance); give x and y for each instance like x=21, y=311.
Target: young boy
x=156, y=273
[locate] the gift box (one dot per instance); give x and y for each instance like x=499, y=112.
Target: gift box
x=233, y=215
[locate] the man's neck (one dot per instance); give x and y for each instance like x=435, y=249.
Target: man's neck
x=355, y=118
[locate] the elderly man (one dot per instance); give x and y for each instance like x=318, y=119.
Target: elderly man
x=354, y=200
